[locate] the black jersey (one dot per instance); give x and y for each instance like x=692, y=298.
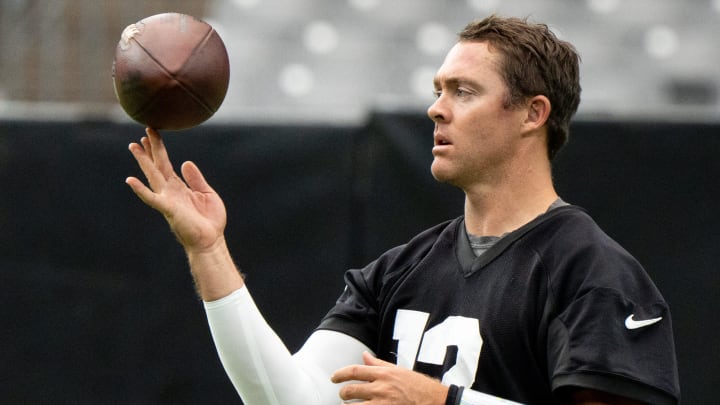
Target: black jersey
x=555, y=303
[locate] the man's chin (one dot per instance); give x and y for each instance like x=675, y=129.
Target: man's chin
x=437, y=174
x=442, y=176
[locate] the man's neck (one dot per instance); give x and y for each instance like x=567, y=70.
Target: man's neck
x=494, y=211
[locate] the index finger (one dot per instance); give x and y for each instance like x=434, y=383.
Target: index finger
x=158, y=152
x=355, y=372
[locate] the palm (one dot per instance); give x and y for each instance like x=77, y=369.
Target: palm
x=197, y=216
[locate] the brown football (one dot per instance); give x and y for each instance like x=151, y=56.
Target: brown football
x=171, y=71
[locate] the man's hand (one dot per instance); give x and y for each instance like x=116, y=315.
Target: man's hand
x=194, y=211
x=378, y=382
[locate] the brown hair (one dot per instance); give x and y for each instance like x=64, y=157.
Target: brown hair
x=534, y=62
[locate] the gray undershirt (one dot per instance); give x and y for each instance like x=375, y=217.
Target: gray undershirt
x=481, y=244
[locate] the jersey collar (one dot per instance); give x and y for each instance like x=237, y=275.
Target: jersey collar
x=470, y=264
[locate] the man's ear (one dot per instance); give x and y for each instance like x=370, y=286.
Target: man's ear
x=538, y=111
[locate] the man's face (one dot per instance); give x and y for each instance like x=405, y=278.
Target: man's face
x=475, y=134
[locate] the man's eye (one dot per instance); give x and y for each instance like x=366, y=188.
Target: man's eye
x=437, y=93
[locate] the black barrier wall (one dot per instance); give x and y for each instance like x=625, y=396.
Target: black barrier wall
x=98, y=305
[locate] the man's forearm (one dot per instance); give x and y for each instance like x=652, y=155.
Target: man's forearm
x=257, y=362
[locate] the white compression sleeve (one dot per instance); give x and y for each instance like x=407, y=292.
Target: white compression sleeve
x=260, y=366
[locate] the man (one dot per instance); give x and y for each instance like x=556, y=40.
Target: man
x=523, y=297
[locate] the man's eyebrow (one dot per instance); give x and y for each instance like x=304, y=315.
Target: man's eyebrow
x=454, y=81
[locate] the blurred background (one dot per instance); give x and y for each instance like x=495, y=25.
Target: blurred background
x=302, y=60
x=321, y=151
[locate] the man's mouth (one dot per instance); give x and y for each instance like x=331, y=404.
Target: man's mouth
x=441, y=141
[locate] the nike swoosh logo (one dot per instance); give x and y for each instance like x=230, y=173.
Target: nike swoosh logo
x=631, y=323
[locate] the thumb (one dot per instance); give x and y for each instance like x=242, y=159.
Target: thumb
x=371, y=360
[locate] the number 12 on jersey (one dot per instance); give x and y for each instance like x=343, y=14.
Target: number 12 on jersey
x=415, y=344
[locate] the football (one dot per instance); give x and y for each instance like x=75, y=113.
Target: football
x=171, y=71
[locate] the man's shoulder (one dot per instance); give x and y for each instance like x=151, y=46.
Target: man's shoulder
x=440, y=235
x=569, y=226
x=575, y=252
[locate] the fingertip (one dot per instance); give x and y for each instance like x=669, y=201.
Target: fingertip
x=190, y=164
x=189, y=167
x=152, y=132
x=337, y=376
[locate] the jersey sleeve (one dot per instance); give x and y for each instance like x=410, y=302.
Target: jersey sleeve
x=616, y=338
x=608, y=326
x=358, y=311
x=355, y=312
